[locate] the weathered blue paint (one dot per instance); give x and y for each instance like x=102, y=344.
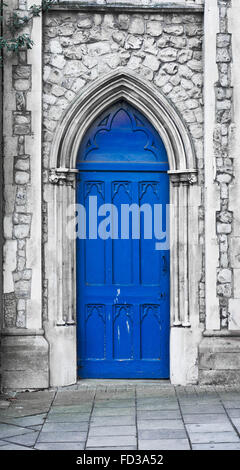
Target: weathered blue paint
x=122, y=284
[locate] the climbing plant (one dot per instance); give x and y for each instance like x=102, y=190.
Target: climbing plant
x=13, y=38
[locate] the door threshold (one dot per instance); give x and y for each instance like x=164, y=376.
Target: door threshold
x=124, y=381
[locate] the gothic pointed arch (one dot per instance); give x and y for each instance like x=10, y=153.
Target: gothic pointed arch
x=106, y=91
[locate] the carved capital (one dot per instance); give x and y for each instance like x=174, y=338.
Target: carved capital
x=62, y=176
x=185, y=177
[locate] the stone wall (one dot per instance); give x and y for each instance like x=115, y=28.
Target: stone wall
x=22, y=309
x=224, y=164
x=18, y=217
x=164, y=49
x=1, y=201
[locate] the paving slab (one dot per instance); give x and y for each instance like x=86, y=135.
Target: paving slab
x=113, y=412
x=62, y=436
x=2, y=443
x=222, y=446
x=232, y=404
x=205, y=418
x=115, y=395
x=236, y=423
x=113, y=421
x=114, y=404
x=41, y=395
x=15, y=447
x=164, y=444
x=159, y=414
x=112, y=441
x=157, y=406
x=13, y=412
x=202, y=409
x=7, y=430
x=104, y=413
x=210, y=427
x=73, y=398
x=26, y=439
x=112, y=431
x=209, y=437
x=234, y=413
x=26, y=421
x=68, y=418
x=52, y=427
x=155, y=434
x=160, y=424
x=113, y=448
x=71, y=409
x=35, y=428
x=60, y=446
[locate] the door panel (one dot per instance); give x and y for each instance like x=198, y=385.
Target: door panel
x=123, y=284
x=122, y=281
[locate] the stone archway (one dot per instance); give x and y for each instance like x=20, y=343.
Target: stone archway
x=60, y=257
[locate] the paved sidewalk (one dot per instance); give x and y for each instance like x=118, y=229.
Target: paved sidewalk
x=126, y=415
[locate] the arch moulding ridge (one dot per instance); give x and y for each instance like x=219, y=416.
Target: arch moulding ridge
x=60, y=249
x=106, y=91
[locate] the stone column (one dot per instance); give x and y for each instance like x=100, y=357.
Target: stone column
x=219, y=351
x=25, y=350
x=60, y=277
x=212, y=198
x=185, y=329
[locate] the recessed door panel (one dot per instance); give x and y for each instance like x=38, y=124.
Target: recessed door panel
x=122, y=279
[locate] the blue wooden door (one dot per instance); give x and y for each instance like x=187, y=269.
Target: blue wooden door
x=122, y=280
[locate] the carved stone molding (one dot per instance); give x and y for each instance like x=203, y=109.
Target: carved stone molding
x=146, y=97
x=62, y=175
x=186, y=176
x=149, y=6
x=165, y=118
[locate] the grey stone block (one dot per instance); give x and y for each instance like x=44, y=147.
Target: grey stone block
x=112, y=431
x=141, y=406
x=202, y=409
x=222, y=446
x=164, y=444
x=60, y=446
x=205, y=418
x=8, y=430
x=113, y=412
x=85, y=408
x=25, y=421
x=25, y=362
x=209, y=427
x=14, y=447
x=154, y=434
x=26, y=439
x=113, y=448
x=68, y=418
x=114, y=404
x=52, y=427
x=175, y=424
x=113, y=421
x=62, y=436
x=159, y=414
x=112, y=441
x=209, y=437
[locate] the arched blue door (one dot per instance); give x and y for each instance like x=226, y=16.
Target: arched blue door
x=122, y=279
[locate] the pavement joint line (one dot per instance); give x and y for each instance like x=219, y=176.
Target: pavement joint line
x=185, y=428
x=90, y=417
x=15, y=443
x=44, y=419
x=17, y=425
x=229, y=418
x=136, y=419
